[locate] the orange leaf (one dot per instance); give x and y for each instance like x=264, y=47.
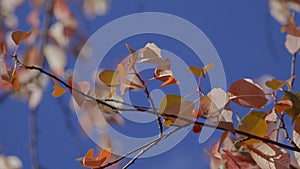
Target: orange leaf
x=90, y=162
x=57, y=89
x=104, y=155
x=19, y=36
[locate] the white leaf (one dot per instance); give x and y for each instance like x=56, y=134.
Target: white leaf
x=292, y=43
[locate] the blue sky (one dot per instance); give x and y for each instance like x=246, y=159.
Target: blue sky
x=246, y=37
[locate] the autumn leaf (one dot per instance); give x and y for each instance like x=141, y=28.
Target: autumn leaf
x=214, y=106
x=12, y=78
x=294, y=97
x=275, y=84
x=254, y=123
x=133, y=55
x=201, y=71
x=174, y=105
x=268, y=155
x=109, y=77
x=283, y=105
x=296, y=138
x=19, y=36
x=246, y=93
x=57, y=89
x=90, y=162
x=129, y=81
x=278, y=84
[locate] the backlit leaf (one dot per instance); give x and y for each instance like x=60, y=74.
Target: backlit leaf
x=57, y=89
x=246, y=93
x=201, y=71
x=19, y=36
x=109, y=77
x=254, y=123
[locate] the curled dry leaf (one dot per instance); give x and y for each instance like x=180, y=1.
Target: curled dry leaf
x=201, y=71
x=19, y=36
x=254, y=123
x=246, y=93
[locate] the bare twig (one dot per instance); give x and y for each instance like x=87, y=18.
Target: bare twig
x=33, y=139
x=293, y=69
x=160, y=127
x=152, y=143
x=287, y=137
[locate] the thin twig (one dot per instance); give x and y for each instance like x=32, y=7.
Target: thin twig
x=160, y=126
x=287, y=137
x=33, y=139
x=153, y=142
x=293, y=69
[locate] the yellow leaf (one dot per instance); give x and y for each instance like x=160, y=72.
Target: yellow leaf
x=167, y=101
x=109, y=77
x=254, y=123
x=19, y=36
x=201, y=71
x=57, y=89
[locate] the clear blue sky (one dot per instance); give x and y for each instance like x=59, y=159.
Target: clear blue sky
x=244, y=34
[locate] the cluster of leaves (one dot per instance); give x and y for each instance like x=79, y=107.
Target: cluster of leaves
x=102, y=105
